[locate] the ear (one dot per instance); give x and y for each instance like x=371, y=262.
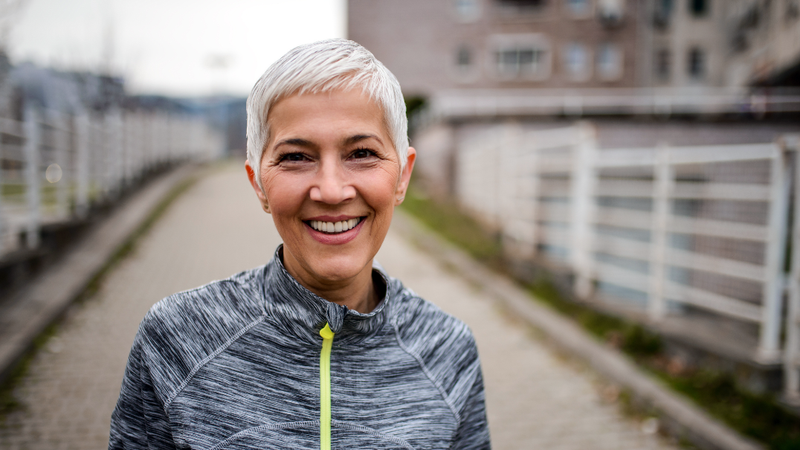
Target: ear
x=405, y=177
x=251, y=175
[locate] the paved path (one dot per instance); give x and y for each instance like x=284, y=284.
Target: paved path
x=536, y=399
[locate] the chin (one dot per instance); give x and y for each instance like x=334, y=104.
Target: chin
x=340, y=269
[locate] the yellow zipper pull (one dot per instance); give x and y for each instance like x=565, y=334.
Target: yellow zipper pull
x=325, y=388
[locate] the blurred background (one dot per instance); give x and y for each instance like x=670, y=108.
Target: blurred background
x=636, y=158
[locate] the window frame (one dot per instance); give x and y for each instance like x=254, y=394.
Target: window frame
x=536, y=42
x=663, y=55
x=697, y=57
x=467, y=16
x=587, y=13
x=619, y=53
x=704, y=13
x=584, y=73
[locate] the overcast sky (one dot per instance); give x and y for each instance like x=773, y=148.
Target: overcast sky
x=174, y=47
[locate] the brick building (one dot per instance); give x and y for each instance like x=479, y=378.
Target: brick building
x=506, y=44
x=580, y=45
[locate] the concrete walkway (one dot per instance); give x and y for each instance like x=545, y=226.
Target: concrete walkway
x=536, y=399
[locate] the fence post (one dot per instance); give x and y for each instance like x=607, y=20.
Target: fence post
x=115, y=150
x=769, y=342
x=663, y=185
x=2, y=211
x=81, y=164
x=584, y=175
x=509, y=152
x=61, y=143
x=32, y=177
x=527, y=197
x=791, y=358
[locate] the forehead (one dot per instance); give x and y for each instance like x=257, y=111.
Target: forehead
x=327, y=113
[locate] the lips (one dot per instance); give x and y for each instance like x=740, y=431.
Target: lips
x=334, y=227
x=343, y=229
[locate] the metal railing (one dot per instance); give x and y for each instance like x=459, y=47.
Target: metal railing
x=659, y=230
x=608, y=101
x=53, y=166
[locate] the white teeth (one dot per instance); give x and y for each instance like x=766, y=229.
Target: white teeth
x=333, y=227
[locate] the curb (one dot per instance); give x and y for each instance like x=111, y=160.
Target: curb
x=28, y=313
x=680, y=415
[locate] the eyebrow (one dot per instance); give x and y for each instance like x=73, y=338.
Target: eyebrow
x=299, y=142
x=360, y=137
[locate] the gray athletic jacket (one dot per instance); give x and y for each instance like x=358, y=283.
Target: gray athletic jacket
x=236, y=364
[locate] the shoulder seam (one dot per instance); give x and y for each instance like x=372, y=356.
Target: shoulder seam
x=427, y=373
x=208, y=358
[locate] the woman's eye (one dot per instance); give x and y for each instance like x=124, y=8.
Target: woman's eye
x=362, y=153
x=294, y=157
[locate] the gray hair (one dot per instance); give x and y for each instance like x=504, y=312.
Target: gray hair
x=321, y=67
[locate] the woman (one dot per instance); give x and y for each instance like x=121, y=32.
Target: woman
x=319, y=348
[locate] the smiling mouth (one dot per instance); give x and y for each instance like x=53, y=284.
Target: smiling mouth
x=334, y=227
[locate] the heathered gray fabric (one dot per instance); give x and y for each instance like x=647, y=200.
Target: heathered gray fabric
x=235, y=365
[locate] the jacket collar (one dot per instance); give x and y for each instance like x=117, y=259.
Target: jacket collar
x=304, y=313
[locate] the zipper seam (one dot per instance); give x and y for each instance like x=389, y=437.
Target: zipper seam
x=325, y=388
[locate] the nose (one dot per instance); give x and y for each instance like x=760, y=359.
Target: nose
x=332, y=185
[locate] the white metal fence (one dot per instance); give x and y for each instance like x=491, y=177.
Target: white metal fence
x=661, y=229
x=54, y=166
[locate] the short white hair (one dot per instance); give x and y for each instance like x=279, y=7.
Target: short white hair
x=322, y=67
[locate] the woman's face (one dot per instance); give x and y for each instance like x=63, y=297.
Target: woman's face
x=331, y=179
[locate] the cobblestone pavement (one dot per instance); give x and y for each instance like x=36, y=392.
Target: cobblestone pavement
x=535, y=398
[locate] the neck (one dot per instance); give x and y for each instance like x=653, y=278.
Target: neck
x=358, y=293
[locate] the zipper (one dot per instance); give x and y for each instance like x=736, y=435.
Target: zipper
x=325, y=388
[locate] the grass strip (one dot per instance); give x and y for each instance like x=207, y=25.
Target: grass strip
x=758, y=416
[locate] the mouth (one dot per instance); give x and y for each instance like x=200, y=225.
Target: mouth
x=334, y=227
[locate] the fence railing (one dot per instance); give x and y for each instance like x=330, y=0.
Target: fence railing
x=53, y=166
x=662, y=230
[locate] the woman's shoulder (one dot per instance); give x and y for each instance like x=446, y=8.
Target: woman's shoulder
x=195, y=322
x=422, y=324
x=442, y=343
x=224, y=299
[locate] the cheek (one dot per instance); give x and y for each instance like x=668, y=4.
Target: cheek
x=379, y=190
x=284, y=194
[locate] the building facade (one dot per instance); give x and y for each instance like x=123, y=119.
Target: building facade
x=500, y=44
x=716, y=43
x=440, y=45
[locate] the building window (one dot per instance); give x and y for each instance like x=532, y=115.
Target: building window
x=522, y=6
x=662, y=13
x=523, y=55
x=463, y=58
x=465, y=67
x=522, y=62
x=467, y=10
x=611, y=12
x=609, y=61
x=663, y=64
x=576, y=61
x=580, y=8
x=697, y=63
x=699, y=8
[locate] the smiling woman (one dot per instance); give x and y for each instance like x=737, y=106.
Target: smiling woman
x=334, y=178
x=319, y=348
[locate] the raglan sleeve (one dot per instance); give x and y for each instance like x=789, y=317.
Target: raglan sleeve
x=139, y=421
x=473, y=430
